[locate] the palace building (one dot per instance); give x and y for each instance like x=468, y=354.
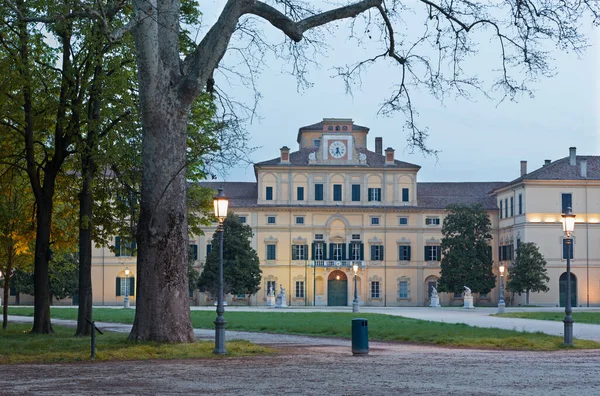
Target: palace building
x=332, y=203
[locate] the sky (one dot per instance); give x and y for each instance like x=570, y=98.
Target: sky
x=479, y=140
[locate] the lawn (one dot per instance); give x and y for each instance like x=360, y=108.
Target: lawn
x=17, y=345
x=338, y=324
x=578, y=317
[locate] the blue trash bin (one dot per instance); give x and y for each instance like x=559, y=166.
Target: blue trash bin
x=360, y=336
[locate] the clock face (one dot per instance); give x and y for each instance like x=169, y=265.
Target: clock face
x=337, y=149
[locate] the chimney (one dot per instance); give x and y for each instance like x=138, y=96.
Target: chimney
x=547, y=162
x=572, y=156
x=583, y=168
x=523, y=168
x=285, y=155
x=379, y=145
x=389, y=156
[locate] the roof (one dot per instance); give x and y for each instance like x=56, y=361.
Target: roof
x=562, y=170
x=300, y=158
x=429, y=195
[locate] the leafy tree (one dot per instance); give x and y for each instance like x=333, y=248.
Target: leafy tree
x=466, y=254
x=528, y=272
x=434, y=58
x=241, y=272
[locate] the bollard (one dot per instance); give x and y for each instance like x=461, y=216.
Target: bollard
x=94, y=329
x=360, y=336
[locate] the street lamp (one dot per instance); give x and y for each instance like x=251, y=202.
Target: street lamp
x=501, y=304
x=220, y=203
x=126, y=300
x=355, y=302
x=568, y=228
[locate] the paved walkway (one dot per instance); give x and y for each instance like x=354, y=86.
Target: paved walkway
x=479, y=317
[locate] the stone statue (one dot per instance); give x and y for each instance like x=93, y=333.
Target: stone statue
x=434, y=293
x=467, y=291
x=281, y=290
x=270, y=293
x=281, y=300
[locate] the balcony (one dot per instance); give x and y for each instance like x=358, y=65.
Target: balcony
x=337, y=263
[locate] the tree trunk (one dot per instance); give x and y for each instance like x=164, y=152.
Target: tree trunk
x=527, y=298
x=41, y=305
x=9, y=265
x=85, y=247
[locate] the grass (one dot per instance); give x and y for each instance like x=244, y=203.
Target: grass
x=578, y=317
x=17, y=345
x=338, y=324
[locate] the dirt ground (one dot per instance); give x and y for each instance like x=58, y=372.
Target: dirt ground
x=389, y=369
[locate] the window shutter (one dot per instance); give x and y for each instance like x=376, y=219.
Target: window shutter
x=132, y=286
x=133, y=248
x=370, y=194
x=312, y=251
x=118, y=247
x=324, y=251
x=425, y=253
x=408, y=253
x=305, y=247
x=405, y=195
x=294, y=252
x=362, y=251
x=373, y=252
x=381, y=249
x=343, y=251
x=118, y=286
x=331, y=251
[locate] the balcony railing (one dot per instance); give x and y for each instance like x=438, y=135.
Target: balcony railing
x=337, y=263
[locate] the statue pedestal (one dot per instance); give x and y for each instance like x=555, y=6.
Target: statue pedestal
x=435, y=302
x=281, y=301
x=270, y=301
x=468, y=302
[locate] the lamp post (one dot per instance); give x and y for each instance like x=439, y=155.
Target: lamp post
x=220, y=204
x=501, y=304
x=355, y=302
x=568, y=228
x=126, y=300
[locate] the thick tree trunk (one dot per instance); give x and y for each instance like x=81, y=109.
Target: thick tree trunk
x=527, y=298
x=9, y=265
x=85, y=248
x=41, y=305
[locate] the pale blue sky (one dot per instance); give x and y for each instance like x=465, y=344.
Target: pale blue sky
x=479, y=141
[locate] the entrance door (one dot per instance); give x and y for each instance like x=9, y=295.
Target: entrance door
x=562, y=288
x=337, y=289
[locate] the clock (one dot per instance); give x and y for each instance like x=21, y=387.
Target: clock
x=337, y=149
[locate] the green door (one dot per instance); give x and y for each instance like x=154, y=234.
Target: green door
x=562, y=288
x=337, y=292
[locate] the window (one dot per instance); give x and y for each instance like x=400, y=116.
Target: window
x=318, y=254
x=405, y=195
x=336, y=251
x=404, y=253
x=337, y=192
x=356, y=192
x=374, y=194
x=300, y=193
x=520, y=204
x=269, y=194
x=506, y=252
x=125, y=286
x=270, y=286
x=271, y=252
x=318, y=192
x=208, y=248
x=512, y=209
x=124, y=247
x=432, y=221
x=193, y=252
x=356, y=236
x=375, y=292
x=243, y=219
x=318, y=236
x=299, y=252
x=567, y=249
x=567, y=202
x=500, y=208
x=377, y=252
x=403, y=289
x=505, y=207
x=356, y=253
x=432, y=253
x=299, y=219
x=317, y=142
x=300, y=289
x=374, y=220
x=403, y=220
x=270, y=219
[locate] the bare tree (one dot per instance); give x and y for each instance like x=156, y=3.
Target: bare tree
x=433, y=58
